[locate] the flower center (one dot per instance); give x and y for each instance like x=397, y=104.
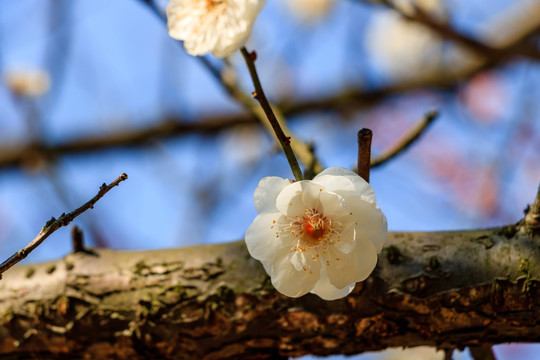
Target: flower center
x=314, y=230
x=314, y=227
x=213, y=3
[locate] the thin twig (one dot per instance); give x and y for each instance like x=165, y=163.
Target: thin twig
x=482, y=353
x=406, y=140
x=364, y=153
x=258, y=94
x=226, y=79
x=55, y=224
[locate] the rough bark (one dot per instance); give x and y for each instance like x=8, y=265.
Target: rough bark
x=445, y=289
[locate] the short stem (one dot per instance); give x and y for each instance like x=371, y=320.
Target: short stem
x=258, y=94
x=364, y=153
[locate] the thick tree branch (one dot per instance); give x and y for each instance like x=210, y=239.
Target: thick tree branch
x=444, y=289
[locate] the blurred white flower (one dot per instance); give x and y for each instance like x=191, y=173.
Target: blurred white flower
x=27, y=82
x=406, y=50
x=320, y=236
x=217, y=26
x=309, y=10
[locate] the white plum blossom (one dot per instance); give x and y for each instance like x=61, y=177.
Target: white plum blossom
x=217, y=26
x=320, y=236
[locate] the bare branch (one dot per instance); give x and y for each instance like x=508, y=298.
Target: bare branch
x=54, y=224
x=406, y=140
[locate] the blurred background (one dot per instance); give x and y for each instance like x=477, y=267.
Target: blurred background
x=91, y=89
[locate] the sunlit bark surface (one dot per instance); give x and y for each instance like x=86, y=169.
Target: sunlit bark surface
x=446, y=289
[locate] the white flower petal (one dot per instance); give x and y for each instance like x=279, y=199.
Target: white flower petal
x=337, y=171
x=344, y=182
x=327, y=291
x=261, y=239
x=334, y=182
x=371, y=222
x=289, y=201
x=333, y=205
x=352, y=267
x=310, y=195
x=291, y=282
x=267, y=192
x=306, y=260
x=346, y=240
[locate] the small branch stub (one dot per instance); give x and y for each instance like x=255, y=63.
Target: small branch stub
x=364, y=153
x=532, y=219
x=77, y=239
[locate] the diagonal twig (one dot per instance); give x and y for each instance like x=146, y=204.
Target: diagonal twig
x=258, y=94
x=406, y=140
x=55, y=224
